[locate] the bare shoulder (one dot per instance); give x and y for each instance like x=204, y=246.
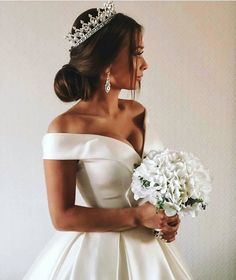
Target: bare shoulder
x=135, y=106
x=71, y=122
x=64, y=122
x=56, y=125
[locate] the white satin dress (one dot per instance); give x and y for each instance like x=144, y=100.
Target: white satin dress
x=103, y=180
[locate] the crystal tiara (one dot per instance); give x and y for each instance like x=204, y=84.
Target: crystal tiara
x=93, y=25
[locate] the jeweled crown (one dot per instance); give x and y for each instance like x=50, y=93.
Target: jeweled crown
x=93, y=25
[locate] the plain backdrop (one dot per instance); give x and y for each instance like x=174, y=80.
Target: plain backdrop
x=189, y=90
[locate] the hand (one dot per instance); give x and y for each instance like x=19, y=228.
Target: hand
x=170, y=229
x=147, y=217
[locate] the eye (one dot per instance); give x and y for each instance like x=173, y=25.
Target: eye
x=139, y=53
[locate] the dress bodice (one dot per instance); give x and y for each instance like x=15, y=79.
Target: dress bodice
x=105, y=164
x=103, y=178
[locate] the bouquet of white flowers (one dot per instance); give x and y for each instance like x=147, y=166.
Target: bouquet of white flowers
x=174, y=181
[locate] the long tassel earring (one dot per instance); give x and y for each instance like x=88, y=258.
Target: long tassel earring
x=107, y=83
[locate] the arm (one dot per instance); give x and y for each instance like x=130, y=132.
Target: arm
x=60, y=178
x=61, y=186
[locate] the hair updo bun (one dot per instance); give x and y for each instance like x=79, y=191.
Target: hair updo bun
x=80, y=78
x=68, y=84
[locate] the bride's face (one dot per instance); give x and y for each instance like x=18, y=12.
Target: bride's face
x=120, y=75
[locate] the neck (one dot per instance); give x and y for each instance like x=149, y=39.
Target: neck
x=106, y=104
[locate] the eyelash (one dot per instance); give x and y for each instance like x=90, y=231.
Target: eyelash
x=139, y=53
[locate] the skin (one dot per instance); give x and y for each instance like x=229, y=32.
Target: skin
x=104, y=114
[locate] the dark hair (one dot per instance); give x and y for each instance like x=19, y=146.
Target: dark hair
x=81, y=76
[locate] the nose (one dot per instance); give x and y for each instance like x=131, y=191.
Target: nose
x=145, y=65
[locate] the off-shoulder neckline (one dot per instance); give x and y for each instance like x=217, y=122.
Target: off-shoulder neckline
x=128, y=144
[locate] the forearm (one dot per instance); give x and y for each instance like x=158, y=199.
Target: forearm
x=85, y=219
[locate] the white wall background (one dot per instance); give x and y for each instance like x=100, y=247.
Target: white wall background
x=189, y=89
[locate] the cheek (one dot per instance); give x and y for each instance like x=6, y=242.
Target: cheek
x=123, y=81
x=120, y=82
x=122, y=76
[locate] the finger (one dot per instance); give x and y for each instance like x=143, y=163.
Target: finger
x=170, y=240
x=161, y=214
x=169, y=229
x=175, y=226
x=173, y=223
x=173, y=219
x=169, y=236
x=160, y=219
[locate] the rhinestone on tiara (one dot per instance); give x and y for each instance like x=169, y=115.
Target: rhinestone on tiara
x=94, y=24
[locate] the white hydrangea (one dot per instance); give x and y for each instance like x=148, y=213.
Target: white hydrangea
x=174, y=181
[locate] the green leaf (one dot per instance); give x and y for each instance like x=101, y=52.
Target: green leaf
x=192, y=201
x=146, y=183
x=135, y=165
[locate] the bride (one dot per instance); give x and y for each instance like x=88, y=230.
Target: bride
x=91, y=148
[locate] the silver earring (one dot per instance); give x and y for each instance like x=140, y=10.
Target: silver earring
x=107, y=83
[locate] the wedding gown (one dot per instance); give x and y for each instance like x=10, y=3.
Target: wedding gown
x=103, y=179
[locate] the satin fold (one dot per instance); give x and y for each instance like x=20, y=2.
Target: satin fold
x=103, y=180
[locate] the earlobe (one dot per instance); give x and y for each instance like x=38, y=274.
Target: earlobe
x=106, y=72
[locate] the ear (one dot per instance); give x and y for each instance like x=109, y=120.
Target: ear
x=104, y=73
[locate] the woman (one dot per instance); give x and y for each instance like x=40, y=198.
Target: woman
x=91, y=148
